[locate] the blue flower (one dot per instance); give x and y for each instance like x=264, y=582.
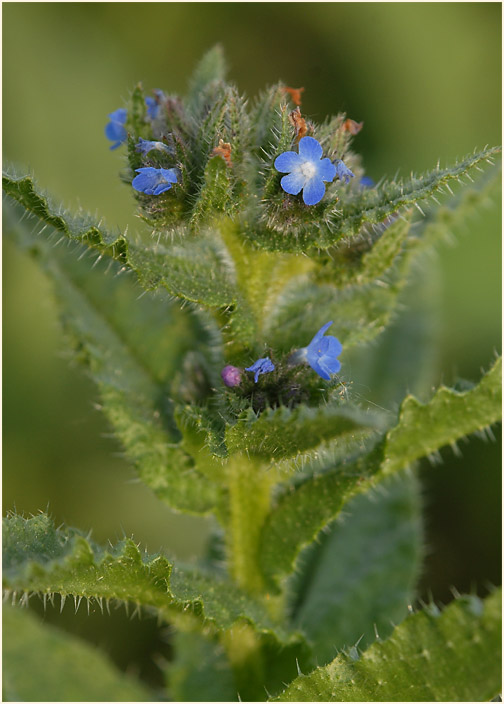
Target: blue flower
x=262, y=366
x=154, y=104
x=307, y=171
x=342, y=171
x=366, y=182
x=145, y=146
x=154, y=181
x=321, y=354
x=115, y=130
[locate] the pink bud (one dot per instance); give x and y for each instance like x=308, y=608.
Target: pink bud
x=231, y=376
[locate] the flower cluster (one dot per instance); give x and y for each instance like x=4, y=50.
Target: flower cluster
x=321, y=354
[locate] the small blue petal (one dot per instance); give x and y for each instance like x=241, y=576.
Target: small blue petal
x=326, y=170
x=366, y=182
x=152, y=108
x=314, y=364
x=322, y=353
x=288, y=161
x=145, y=146
x=320, y=334
x=261, y=366
x=313, y=191
x=293, y=182
x=342, y=171
x=153, y=181
x=115, y=130
x=310, y=149
x=119, y=115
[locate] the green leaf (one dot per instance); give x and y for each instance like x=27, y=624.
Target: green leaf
x=450, y=656
x=281, y=433
x=360, y=313
x=41, y=558
x=421, y=430
x=209, y=72
x=293, y=524
x=131, y=346
x=42, y=663
x=361, y=575
x=290, y=227
x=200, y=670
x=266, y=120
x=216, y=191
x=366, y=258
x=448, y=416
x=359, y=264
x=196, y=269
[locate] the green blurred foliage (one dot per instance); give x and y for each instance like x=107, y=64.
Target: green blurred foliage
x=424, y=78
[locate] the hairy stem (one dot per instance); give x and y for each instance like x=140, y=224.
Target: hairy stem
x=249, y=497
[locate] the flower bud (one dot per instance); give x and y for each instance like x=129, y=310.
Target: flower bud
x=231, y=376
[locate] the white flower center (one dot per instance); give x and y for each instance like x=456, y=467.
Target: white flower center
x=308, y=169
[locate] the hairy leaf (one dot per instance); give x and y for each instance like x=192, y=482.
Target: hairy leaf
x=448, y=416
x=41, y=558
x=421, y=429
x=360, y=576
x=360, y=313
x=42, y=663
x=131, y=346
x=283, y=432
x=290, y=228
x=196, y=270
x=200, y=670
x=209, y=73
x=450, y=656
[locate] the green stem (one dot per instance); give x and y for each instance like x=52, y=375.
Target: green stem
x=249, y=499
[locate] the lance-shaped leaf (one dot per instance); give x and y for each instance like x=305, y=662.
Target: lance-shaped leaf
x=442, y=657
x=366, y=258
x=42, y=663
x=360, y=312
x=131, y=347
x=421, y=430
x=208, y=74
x=195, y=269
x=289, y=229
x=41, y=558
x=283, y=432
x=360, y=576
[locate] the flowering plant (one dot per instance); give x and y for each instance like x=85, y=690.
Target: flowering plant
x=242, y=407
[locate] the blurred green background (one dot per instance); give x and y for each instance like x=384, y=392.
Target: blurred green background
x=426, y=81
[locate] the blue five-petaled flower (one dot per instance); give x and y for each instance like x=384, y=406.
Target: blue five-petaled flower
x=262, y=366
x=115, y=130
x=153, y=181
x=322, y=352
x=306, y=171
x=146, y=145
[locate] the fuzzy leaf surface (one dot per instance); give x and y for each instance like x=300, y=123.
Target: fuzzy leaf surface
x=291, y=229
x=195, y=270
x=450, y=656
x=38, y=557
x=131, y=347
x=42, y=663
x=362, y=574
x=283, y=432
x=425, y=427
x=421, y=429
